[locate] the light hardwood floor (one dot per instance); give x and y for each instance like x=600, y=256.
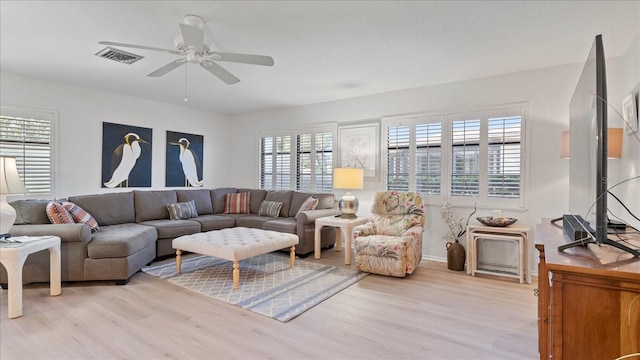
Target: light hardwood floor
x=433, y=314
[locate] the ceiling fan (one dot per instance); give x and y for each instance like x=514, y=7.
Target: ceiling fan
x=190, y=45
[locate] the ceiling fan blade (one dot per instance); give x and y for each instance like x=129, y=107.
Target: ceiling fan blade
x=165, y=69
x=245, y=58
x=192, y=37
x=220, y=72
x=140, y=47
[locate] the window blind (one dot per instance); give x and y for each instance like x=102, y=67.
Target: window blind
x=465, y=156
x=398, y=157
x=306, y=159
x=29, y=140
x=504, y=157
x=428, y=158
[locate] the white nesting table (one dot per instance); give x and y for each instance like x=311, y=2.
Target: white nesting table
x=13, y=256
x=517, y=234
x=342, y=225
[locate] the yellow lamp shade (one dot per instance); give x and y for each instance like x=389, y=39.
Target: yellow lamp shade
x=348, y=178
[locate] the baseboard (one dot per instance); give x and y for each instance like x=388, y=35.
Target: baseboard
x=444, y=260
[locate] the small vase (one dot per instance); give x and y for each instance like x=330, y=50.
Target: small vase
x=456, y=256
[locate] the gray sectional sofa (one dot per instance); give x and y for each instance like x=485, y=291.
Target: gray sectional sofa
x=135, y=228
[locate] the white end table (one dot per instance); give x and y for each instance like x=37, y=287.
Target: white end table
x=13, y=256
x=342, y=225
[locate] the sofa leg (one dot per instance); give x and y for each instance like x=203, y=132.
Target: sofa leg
x=122, y=282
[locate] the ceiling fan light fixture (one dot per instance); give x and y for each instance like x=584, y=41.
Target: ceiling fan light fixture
x=194, y=21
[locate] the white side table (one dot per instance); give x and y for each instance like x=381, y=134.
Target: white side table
x=13, y=256
x=518, y=234
x=344, y=226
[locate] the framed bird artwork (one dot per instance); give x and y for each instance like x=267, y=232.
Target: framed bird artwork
x=184, y=159
x=126, y=156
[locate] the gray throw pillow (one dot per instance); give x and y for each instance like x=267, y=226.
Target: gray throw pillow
x=270, y=208
x=183, y=210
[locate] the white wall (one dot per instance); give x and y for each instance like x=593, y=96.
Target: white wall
x=547, y=92
x=623, y=77
x=81, y=113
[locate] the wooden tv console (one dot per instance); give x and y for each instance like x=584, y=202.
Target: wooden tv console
x=588, y=299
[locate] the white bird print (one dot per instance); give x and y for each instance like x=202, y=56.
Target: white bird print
x=123, y=160
x=190, y=163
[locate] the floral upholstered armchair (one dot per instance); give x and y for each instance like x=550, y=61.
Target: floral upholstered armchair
x=391, y=242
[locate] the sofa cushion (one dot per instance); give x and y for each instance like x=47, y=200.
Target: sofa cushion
x=283, y=196
x=257, y=197
x=202, y=197
x=307, y=205
x=58, y=214
x=182, y=210
x=108, y=209
x=30, y=211
x=286, y=225
x=169, y=229
x=252, y=221
x=80, y=215
x=270, y=208
x=237, y=203
x=215, y=222
x=116, y=241
x=152, y=205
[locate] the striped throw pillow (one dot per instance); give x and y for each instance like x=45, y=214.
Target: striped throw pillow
x=237, y=203
x=308, y=204
x=183, y=210
x=270, y=208
x=57, y=213
x=80, y=215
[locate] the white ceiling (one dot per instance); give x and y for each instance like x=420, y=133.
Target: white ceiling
x=323, y=50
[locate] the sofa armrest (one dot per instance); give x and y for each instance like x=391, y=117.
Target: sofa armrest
x=310, y=216
x=365, y=229
x=414, y=232
x=66, y=232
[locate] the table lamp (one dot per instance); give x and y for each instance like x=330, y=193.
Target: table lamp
x=10, y=183
x=614, y=144
x=349, y=179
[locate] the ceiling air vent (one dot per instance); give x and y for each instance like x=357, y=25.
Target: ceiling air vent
x=118, y=55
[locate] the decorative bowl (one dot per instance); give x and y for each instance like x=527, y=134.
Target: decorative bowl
x=497, y=222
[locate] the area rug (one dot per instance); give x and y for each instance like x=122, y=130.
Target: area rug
x=268, y=285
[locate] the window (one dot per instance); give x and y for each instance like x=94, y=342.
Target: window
x=309, y=167
x=28, y=136
x=314, y=162
x=464, y=158
x=275, y=162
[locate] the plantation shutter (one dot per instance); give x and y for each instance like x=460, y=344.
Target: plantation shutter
x=398, y=157
x=323, y=162
x=266, y=162
x=504, y=152
x=465, y=158
x=283, y=162
x=303, y=171
x=27, y=136
x=428, y=158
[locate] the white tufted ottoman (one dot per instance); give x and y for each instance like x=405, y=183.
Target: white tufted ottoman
x=235, y=244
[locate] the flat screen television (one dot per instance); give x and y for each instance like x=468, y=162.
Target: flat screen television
x=588, y=152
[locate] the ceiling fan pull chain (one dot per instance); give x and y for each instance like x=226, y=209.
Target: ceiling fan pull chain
x=185, y=81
